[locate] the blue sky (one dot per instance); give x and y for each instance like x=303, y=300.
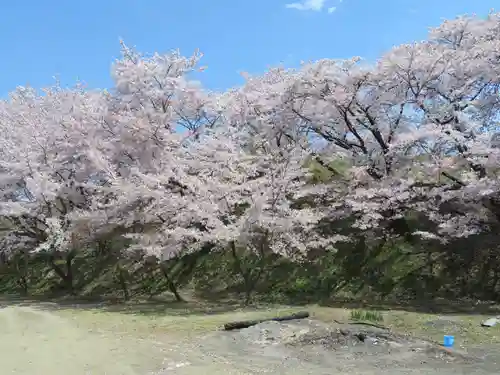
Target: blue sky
x=79, y=39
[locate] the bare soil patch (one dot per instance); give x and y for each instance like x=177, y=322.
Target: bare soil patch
x=312, y=347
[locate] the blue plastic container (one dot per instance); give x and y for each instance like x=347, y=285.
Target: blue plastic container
x=448, y=341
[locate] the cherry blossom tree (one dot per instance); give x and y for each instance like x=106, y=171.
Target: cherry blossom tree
x=230, y=183
x=175, y=168
x=48, y=162
x=450, y=84
x=415, y=128
x=90, y=164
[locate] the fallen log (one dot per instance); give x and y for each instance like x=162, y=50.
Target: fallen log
x=248, y=323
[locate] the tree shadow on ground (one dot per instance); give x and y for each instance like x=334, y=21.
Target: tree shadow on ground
x=430, y=306
x=151, y=307
x=435, y=306
x=218, y=303
x=172, y=308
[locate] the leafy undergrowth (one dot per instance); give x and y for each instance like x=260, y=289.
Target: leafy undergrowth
x=137, y=338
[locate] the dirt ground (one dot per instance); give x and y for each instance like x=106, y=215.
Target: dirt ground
x=312, y=347
x=52, y=339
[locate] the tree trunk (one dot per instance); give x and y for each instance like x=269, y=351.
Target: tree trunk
x=122, y=280
x=248, y=323
x=20, y=264
x=190, y=261
x=69, y=274
x=65, y=275
x=3, y=258
x=170, y=283
x=250, y=280
x=22, y=272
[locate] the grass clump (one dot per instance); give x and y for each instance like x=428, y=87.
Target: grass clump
x=367, y=316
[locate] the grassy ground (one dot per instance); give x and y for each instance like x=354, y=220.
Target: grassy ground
x=40, y=342
x=88, y=339
x=465, y=327
x=136, y=338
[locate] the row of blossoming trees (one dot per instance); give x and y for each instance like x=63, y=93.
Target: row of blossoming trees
x=170, y=168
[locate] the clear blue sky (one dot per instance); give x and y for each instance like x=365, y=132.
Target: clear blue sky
x=78, y=39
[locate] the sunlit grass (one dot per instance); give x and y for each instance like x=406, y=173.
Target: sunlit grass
x=38, y=342
x=466, y=328
x=170, y=321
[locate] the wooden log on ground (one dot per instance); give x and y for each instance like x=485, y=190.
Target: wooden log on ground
x=248, y=323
